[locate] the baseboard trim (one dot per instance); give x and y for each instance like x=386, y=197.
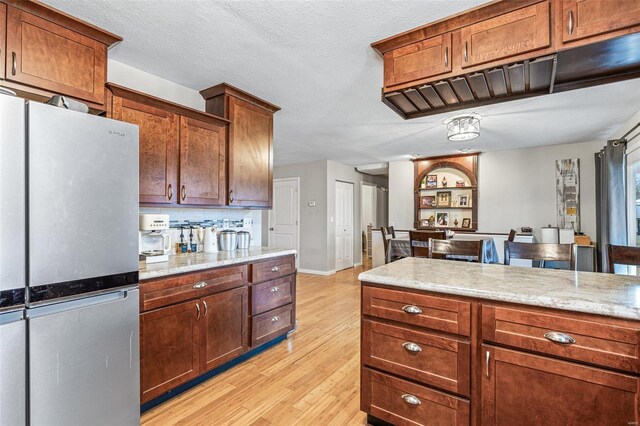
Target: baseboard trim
x=357, y=264
x=314, y=272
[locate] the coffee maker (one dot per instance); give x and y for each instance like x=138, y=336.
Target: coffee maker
x=154, y=242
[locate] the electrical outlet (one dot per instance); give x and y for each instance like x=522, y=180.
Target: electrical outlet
x=312, y=203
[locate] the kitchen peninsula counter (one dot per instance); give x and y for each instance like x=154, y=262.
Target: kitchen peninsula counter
x=182, y=263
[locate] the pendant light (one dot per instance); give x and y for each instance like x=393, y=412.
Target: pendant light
x=463, y=128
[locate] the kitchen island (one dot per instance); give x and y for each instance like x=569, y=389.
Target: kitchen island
x=459, y=343
x=203, y=313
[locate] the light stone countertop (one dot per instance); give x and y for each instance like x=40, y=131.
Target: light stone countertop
x=182, y=263
x=590, y=292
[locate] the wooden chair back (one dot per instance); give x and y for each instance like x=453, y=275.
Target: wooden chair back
x=622, y=255
x=385, y=240
x=441, y=249
x=391, y=230
x=512, y=235
x=540, y=251
x=419, y=241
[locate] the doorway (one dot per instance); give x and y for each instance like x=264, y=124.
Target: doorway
x=344, y=225
x=284, y=217
x=368, y=208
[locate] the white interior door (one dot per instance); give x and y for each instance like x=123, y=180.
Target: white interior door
x=283, y=218
x=344, y=225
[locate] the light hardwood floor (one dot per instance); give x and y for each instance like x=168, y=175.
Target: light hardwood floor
x=312, y=378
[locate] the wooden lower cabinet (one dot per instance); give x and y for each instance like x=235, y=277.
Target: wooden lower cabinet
x=169, y=348
x=523, y=389
x=224, y=332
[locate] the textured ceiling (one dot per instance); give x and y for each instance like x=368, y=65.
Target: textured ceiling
x=313, y=59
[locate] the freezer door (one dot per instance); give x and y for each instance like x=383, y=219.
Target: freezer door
x=12, y=206
x=84, y=366
x=83, y=196
x=13, y=376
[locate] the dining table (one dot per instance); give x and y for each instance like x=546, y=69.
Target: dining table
x=401, y=247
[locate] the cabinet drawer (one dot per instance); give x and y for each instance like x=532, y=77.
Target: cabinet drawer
x=404, y=403
x=599, y=343
x=524, y=389
x=271, y=324
x=167, y=291
x=426, y=58
x=438, y=313
x=514, y=33
x=272, y=294
x=587, y=18
x=272, y=269
x=429, y=358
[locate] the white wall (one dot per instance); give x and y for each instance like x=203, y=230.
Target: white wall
x=401, y=212
x=516, y=188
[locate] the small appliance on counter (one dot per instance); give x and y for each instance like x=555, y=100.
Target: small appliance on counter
x=228, y=240
x=154, y=241
x=210, y=240
x=244, y=240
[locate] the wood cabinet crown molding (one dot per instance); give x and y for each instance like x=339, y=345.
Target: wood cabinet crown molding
x=134, y=95
x=63, y=19
x=227, y=89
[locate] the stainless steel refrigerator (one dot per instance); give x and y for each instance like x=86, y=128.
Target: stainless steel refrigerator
x=69, y=333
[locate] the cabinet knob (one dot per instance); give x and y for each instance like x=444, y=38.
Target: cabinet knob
x=201, y=284
x=412, y=347
x=275, y=269
x=412, y=309
x=411, y=399
x=274, y=289
x=562, y=338
x=571, y=23
x=170, y=191
x=231, y=198
x=183, y=192
x=275, y=319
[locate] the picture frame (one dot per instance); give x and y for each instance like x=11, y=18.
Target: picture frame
x=442, y=219
x=424, y=223
x=427, y=201
x=432, y=181
x=460, y=184
x=463, y=200
x=444, y=198
x=466, y=222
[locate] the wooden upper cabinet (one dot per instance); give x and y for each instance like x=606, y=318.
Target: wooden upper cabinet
x=519, y=389
x=587, y=18
x=158, y=148
x=508, y=35
x=225, y=333
x=202, y=162
x=54, y=57
x=250, y=157
x=3, y=39
x=426, y=58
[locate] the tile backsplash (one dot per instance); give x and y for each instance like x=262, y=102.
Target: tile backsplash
x=248, y=220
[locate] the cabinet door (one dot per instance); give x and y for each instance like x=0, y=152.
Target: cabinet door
x=3, y=39
x=250, y=154
x=48, y=56
x=514, y=33
x=158, y=149
x=202, y=162
x=426, y=58
x=586, y=18
x=169, y=348
x=518, y=388
x=224, y=332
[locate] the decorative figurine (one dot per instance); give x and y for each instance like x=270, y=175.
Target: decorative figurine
x=444, y=182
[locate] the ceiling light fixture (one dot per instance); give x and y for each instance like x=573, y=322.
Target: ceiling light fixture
x=463, y=128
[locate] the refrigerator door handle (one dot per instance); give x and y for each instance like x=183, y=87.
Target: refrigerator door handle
x=84, y=302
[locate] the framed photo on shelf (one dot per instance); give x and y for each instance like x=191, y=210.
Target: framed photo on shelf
x=427, y=201
x=463, y=201
x=460, y=184
x=424, y=223
x=442, y=219
x=466, y=222
x=432, y=181
x=444, y=199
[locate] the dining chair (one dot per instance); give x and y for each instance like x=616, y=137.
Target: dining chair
x=512, y=235
x=622, y=255
x=541, y=252
x=385, y=240
x=391, y=231
x=419, y=241
x=452, y=249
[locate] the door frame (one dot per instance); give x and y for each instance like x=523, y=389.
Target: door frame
x=353, y=222
x=270, y=215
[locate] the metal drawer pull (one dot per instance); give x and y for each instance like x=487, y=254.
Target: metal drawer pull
x=170, y=189
x=274, y=319
x=488, y=357
x=570, y=22
x=466, y=52
x=275, y=269
x=446, y=56
x=198, y=310
x=206, y=309
x=183, y=191
x=558, y=337
x=412, y=309
x=201, y=284
x=411, y=399
x=274, y=289
x=14, y=64
x=412, y=347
